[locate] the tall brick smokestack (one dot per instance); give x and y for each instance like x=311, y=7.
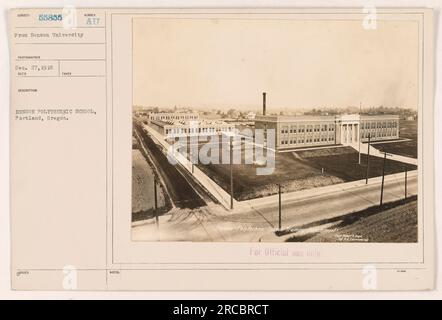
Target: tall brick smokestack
x=263, y=103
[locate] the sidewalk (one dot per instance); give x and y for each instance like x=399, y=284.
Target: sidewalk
x=375, y=152
x=319, y=191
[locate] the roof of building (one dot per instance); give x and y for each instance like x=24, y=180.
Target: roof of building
x=355, y=116
x=282, y=118
x=174, y=113
x=187, y=123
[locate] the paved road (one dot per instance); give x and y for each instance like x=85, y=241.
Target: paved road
x=258, y=220
x=326, y=206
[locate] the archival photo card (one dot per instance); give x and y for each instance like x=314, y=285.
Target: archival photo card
x=222, y=149
x=275, y=130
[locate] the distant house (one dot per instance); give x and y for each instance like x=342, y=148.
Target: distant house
x=211, y=115
x=251, y=115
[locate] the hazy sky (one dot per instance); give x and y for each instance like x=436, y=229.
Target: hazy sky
x=229, y=63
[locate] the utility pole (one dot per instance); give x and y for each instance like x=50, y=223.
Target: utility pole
x=280, y=209
x=368, y=160
x=156, y=203
x=264, y=103
x=383, y=176
x=405, y=182
x=231, y=173
x=189, y=141
x=359, y=132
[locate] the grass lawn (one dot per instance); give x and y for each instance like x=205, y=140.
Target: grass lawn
x=142, y=189
x=293, y=173
x=299, y=170
x=346, y=166
x=408, y=129
x=394, y=223
x=403, y=148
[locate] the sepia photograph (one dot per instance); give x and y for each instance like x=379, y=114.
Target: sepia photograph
x=275, y=130
x=205, y=150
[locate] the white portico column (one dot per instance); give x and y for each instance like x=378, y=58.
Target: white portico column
x=358, y=132
x=353, y=126
x=345, y=133
x=342, y=133
x=352, y=132
x=349, y=133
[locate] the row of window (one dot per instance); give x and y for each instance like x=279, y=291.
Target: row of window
x=374, y=125
x=379, y=134
x=308, y=134
x=173, y=117
x=307, y=140
x=308, y=128
x=198, y=130
x=331, y=127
